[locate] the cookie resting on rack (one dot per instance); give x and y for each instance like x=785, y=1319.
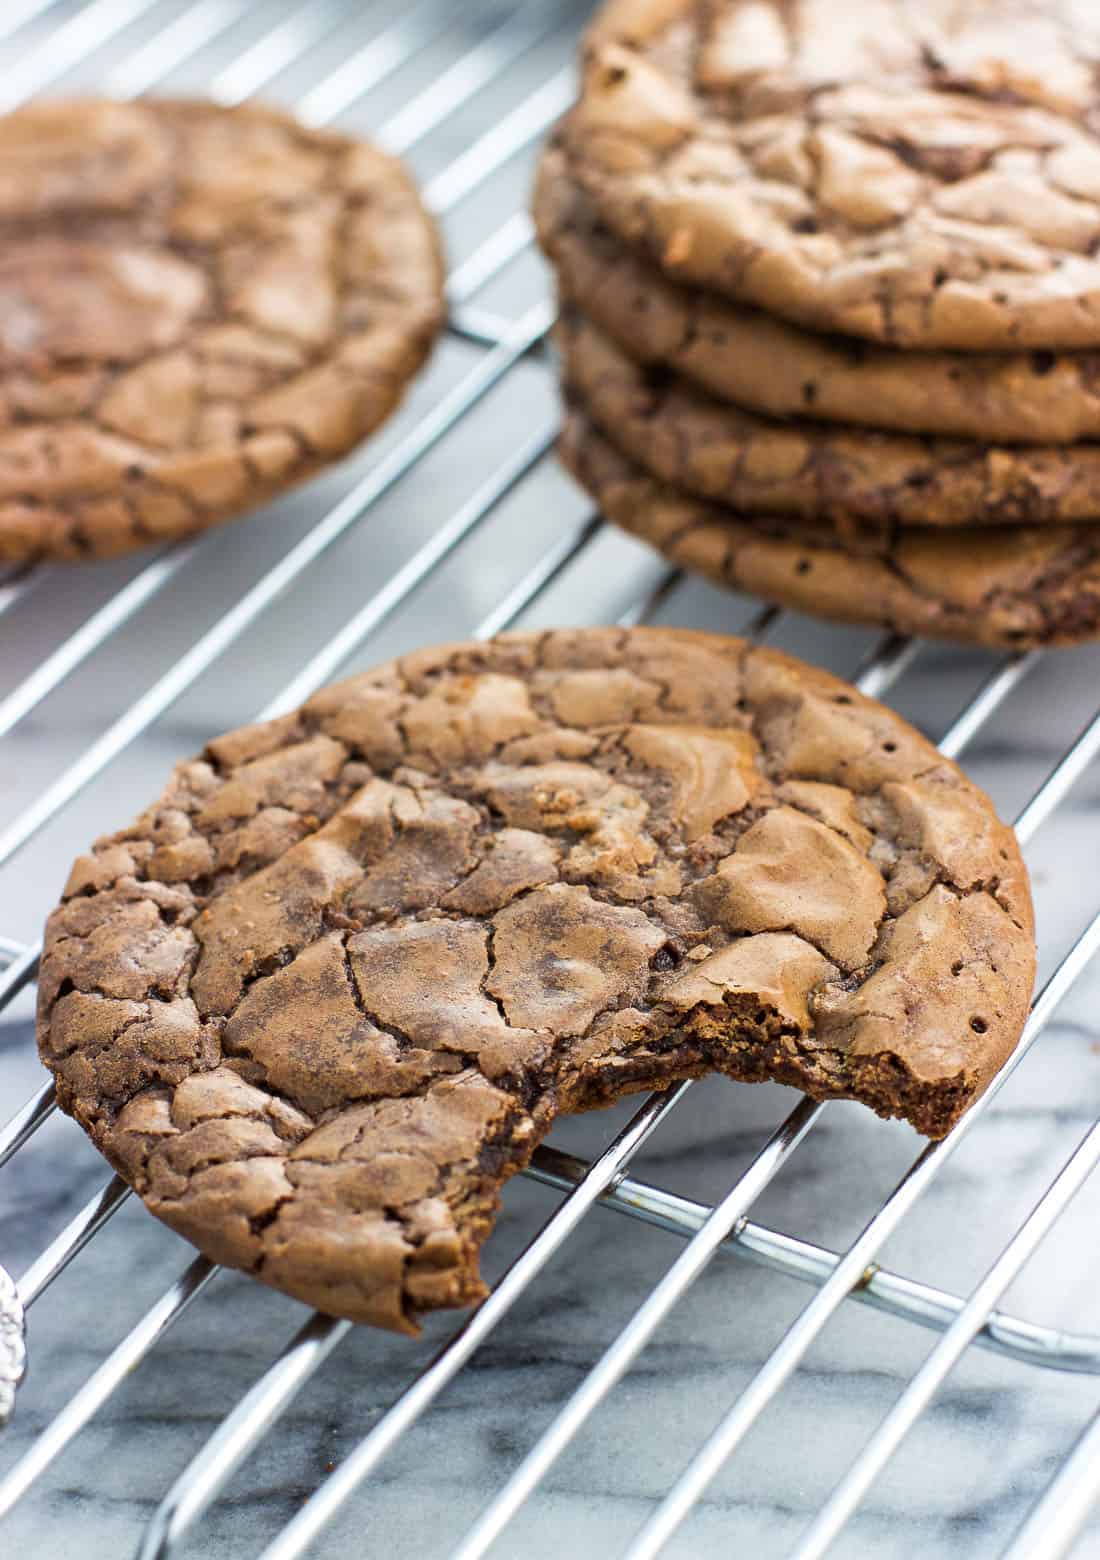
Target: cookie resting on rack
x=765, y=364
x=322, y=999
x=759, y=465
x=199, y=307
x=1008, y=587
x=924, y=173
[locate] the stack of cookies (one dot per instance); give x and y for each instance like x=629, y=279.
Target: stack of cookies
x=830, y=283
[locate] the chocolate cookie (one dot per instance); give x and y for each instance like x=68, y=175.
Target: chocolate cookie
x=324, y=997
x=199, y=306
x=760, y=465
x=1009, y=587
x=919, y=172
x=762, y=363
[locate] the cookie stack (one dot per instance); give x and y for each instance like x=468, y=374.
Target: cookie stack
x=830, y=283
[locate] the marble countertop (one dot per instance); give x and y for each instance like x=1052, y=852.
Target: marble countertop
x=962, y=1481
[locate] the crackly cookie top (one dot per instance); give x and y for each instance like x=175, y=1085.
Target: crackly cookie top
x=921, y=172
x=198, y=306
x=324, y=996
x=843, y=475
x=756, y=360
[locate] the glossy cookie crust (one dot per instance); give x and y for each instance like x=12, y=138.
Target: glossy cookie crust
x=324, y=997
x=924, y=173
x=200, y=307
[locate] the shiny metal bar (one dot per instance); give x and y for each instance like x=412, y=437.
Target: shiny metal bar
x=479, y=326
x=16, y=587
x=1026, y=1342
x=992, y=694
x=849, y=1493
x=318, y=1510
x=761, y=623
x=923, y=1304
x=887, y=661
x=475, y=69
x=373, y=61
x=1055, y=1523
x=1061, y=779
x=211, y=1469
x=616, y=1361
x=848, y=1272
x=645, y=610
x=553, y=563
x=18, y=974
x=91, y=634
x=26, y=1121
x=331, y=657
x=103, y=1382
x=491, y=257
x=223, y=1452
x=181, y=40
x=18, y=13
x=72, y=1239
x=498, y=145
x=307, y=25
x=85, y=32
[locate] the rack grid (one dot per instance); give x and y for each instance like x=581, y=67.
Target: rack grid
x=467, y=93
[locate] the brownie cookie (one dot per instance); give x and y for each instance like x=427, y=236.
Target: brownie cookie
x=1009, y=587
x=919, y=172
x=757, y=464
x=325, y=996
x=199, y=306
x=765, y=364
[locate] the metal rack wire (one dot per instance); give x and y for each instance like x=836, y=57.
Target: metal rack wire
x=46, y=40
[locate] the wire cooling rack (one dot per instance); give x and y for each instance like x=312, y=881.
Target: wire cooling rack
x=454, y=521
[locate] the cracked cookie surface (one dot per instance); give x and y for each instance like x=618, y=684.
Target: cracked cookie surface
x=850, y=477
x=919, y=172
x=756, y=360
x=1012, y=587
x=199, y=307
x=326, y=995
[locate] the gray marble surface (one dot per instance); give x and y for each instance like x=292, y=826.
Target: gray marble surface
x=997, y=1430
